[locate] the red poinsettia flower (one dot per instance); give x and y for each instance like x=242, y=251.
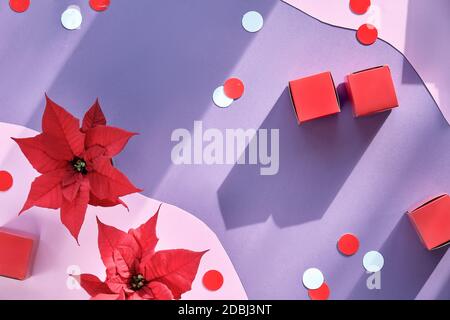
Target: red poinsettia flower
x=135, y=271
x=75, y=164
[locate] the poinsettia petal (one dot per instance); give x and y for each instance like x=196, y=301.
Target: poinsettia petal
x=93, y=153
x=34, y=150
x=122, y=295
x=93, y=117
x=93, y=285
x=125, y=259
x=73, y=212
x=94, y=201
x=59, y=123
x=146, y=235
x=156, y=290
x=109, y=239
x=135, y=296
x=70, y=190
x=118, y=284
x=112, y=138
x=114, y=296
x=174, y=268
x=71, y=177
x=56, y=147
x=46, y=191
x=109, y=183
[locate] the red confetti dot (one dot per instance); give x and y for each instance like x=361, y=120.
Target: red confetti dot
x=320, y=294
x=19, y=5
x=359, y=6
x=234, y=88
x=348, y=244
x=6, y=181
x=213, y=280
x=367, y=34
x=99, y=5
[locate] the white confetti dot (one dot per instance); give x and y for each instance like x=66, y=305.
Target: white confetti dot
x=252, y=21
x=71, y=18
x=220, y=98
x=373, y=261
x=313, y=278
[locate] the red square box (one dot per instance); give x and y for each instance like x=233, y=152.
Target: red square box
x=16, y=254
x=432, y=221
x=371, y=91
x=314, y=97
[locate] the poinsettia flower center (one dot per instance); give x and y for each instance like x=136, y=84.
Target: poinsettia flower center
x=137, y=282
x=79, y=165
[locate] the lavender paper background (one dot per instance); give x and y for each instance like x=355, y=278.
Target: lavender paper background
x=154, y=66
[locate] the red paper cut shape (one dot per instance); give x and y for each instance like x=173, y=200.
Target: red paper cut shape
x=134, y=271
x=99, y=5
x=213, y=280
x=19, y=5
x=367, y=34
x=16, y=254
x=432, y=222
x=321, y=293
x=359, y=6
x=233, y=88
x=75, y=165
x=371, y=91
x=6, y=181
x=348, y=244
x=314, y=97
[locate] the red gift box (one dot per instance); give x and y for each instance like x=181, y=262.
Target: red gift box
x=432, y=221
x=314, y=97
x=16, y=254
x=371, y=91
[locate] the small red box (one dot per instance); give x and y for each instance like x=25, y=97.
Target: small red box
x=314, y=97
x=432, y=221
x=16, y=254
x=371, y=91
